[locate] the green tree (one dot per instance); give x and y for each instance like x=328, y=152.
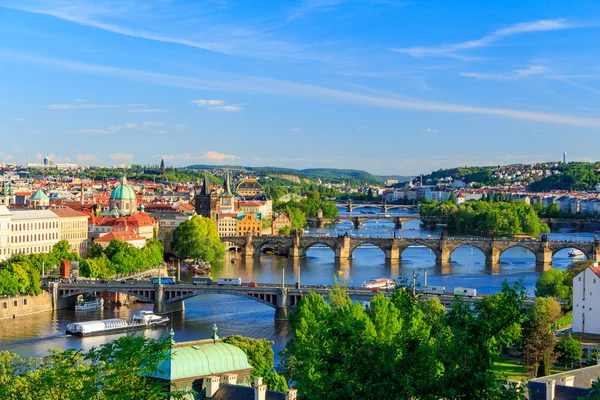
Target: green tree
x=285, y=231
x=568, y=350
x=197, y=238
x=553, y=283
x=95, y=251
x=538, y=337
x=260, y=356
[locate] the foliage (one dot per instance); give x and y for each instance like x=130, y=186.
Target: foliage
x=121, y=369
x=577, y=267
x=121, y=258
x=260, y=356
x=309, y=206
x=568, y=350
x=482, y=217
x=572, y=176
x=400, y=348
x=538, y=337
x=285, y=231
x=197, y=238
x=554, y=283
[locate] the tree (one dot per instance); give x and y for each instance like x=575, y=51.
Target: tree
x=260, y=356
x=95, y=251
x=553, y=283
x=538, y=338
x=568, y=350
x=197, y=238
x=285, y=231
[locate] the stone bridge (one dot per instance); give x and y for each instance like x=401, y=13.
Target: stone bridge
x=383, y=206
x=344, y=246
x=321, y=222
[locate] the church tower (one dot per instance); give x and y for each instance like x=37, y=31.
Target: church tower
x=226, y=198
x=206, y=201
x=163, y=172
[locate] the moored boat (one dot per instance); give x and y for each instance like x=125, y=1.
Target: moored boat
x=381, y=283
x=144, y=320
x=85, y=304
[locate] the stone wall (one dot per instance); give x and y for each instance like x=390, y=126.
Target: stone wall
x=16, y=306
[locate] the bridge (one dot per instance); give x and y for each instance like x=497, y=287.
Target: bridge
x=321, y=222
x=383, y=206
x=170, y=297
x=344, y=246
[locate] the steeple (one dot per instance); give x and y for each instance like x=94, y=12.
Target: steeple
x=205, y=187
x=162, y=167
x=227, y=185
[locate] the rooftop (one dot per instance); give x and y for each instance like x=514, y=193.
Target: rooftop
x=33, y=214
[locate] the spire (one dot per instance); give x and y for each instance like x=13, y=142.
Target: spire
x=205, y=187
x=227, y=185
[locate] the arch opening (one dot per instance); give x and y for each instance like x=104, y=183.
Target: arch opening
x=517, y=254
x=467, y=255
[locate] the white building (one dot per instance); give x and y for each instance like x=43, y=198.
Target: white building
x=30, y=231
x=586, y=304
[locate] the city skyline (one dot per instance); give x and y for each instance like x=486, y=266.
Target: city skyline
x=384, y=86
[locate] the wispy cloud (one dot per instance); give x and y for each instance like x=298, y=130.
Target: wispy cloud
x=90, y=131
x=72, y=106
x=513, y=75
x=121, y=156
x=226, y=108
x=295, y=129
x=361, y=127
x=429, y=130
x=202, y=103
x=80, y=101
x=237, y=83
x=452, y=50
x=209, y=155
x=147, y=110
x=82, y=158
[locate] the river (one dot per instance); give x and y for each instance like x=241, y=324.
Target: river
x=34, y=335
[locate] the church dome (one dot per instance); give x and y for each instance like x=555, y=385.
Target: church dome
x=123, y=191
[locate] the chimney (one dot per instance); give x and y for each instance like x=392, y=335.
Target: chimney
x=550, y=385
x=212, y=385
x=260, y=390
x=230, y=379
x=568, y=380
x=291, y=394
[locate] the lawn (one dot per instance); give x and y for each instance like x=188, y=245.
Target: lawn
x=507, y=366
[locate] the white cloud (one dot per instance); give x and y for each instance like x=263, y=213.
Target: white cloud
x=361, y=127
x=18, y=120
x=513, y=75
x=202, y=103
x=90, y=131
x=39, y=156
x=72, y=106
x=162, y=131
x=149, y=110
x=209, y=155
x=450, y=50
x=81, y=158
x=429, y=130
x=80, y=101
x=213, y=155
x=266, y=85
x=226, y=108
x=152, y=124
x=295, y=129
x=256, y=159
x=130, y=126
x=115, y=128
x=121, y=156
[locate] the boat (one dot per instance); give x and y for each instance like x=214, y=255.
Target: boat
x=576, y=253
x=85, y=304
x=383, y=283
x=144, y=320
x=201, y=267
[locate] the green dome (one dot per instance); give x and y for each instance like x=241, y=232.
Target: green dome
x=202, y=360
x=123, y=192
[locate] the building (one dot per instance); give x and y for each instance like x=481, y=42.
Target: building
x=227, y=224
x=280, y=221
x=206, y=201
x=249, y=224
x=249, y=188
x=586, y=313
x=33, y=231
x=39, y=200
x=123, y=200
x=73, y=227
x=7, y=196
x=569, y=385
x=226, y=199
x=123, y=236
x=5, y=218
x=290, y=197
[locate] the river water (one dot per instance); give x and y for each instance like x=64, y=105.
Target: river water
x=34, y=335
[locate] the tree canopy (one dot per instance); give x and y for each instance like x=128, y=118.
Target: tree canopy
x=197, y=238
x=554, y=283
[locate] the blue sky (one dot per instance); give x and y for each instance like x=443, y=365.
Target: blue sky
x=394, y=87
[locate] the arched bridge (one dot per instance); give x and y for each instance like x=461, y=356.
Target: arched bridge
x=384, y=207
x=344, y=246
x=321, y=222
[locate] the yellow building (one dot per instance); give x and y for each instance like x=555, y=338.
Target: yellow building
x=73, y=227
x=249, y=224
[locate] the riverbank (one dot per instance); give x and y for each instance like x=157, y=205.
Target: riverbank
x=18, y=306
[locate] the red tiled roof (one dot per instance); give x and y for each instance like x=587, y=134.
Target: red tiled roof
x=124, y=236
x=596, y=270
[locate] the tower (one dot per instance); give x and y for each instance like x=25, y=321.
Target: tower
x=226, y=198
x=206, y=201
x=162, y=167
x=565, y=157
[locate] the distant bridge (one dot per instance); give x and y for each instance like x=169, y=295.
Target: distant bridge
x=383, y=206
x=344, y=246
x=170, y=297
x=321, y=222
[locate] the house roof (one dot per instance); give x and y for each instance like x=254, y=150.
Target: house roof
x=228, y=392
x=39, y=195
x=123, y=236
x=66, y=212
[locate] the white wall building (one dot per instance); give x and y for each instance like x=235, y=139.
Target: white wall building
x=586, y=304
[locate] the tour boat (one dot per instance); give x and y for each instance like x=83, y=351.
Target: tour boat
x=89, y=304
x=379, y=283
x=144, y=320
x=576, y=253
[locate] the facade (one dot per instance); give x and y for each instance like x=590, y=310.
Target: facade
x=280, y=221
x=249, y=188
x=206, y=201
x=33, y=231
x=586, y=311
x=7, y=195
x=227, y=224
x=73, y=227
x=249, y=224
x=39, y=200
x=124, y=236
x=5, y=234
x=262, y=207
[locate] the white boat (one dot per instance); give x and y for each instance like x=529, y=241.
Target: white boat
x=89, y=304
x=144, y=320
x=382, y=283
x=576, y=253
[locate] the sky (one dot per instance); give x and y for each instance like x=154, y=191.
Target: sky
x=387, y=86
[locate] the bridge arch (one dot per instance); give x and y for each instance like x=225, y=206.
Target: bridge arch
x=259, y=248
x=268, y=299
x=128, y=291
x=431, y=245
x=571, y=246
x=480, y=250
x=384, y=249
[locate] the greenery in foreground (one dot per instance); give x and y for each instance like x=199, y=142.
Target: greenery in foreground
x=197, y=239
x=402, y=348
x=482, y=217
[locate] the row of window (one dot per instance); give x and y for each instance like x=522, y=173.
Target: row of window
x=33, y=238
x=73, y=224
x=28, y=226
x=15, y=303
x=75, y=235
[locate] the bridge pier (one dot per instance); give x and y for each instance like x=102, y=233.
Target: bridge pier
x=160, y=304
x=397, y=223
x=492, y=257
x=343, y=250
x=543, y=257
x=392, y=254
x=282, y=305
x=442, y=256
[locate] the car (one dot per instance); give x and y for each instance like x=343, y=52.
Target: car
x=253, y=284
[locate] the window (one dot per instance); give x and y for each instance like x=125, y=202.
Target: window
x=579, y=279
x=5, y=305
x=15, y=303
x=24, y=302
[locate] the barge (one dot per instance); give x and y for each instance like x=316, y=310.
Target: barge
x=144, y=320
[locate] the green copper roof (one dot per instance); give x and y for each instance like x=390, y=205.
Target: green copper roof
x=202, y=360
x=39, y=195
x=123, y=191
